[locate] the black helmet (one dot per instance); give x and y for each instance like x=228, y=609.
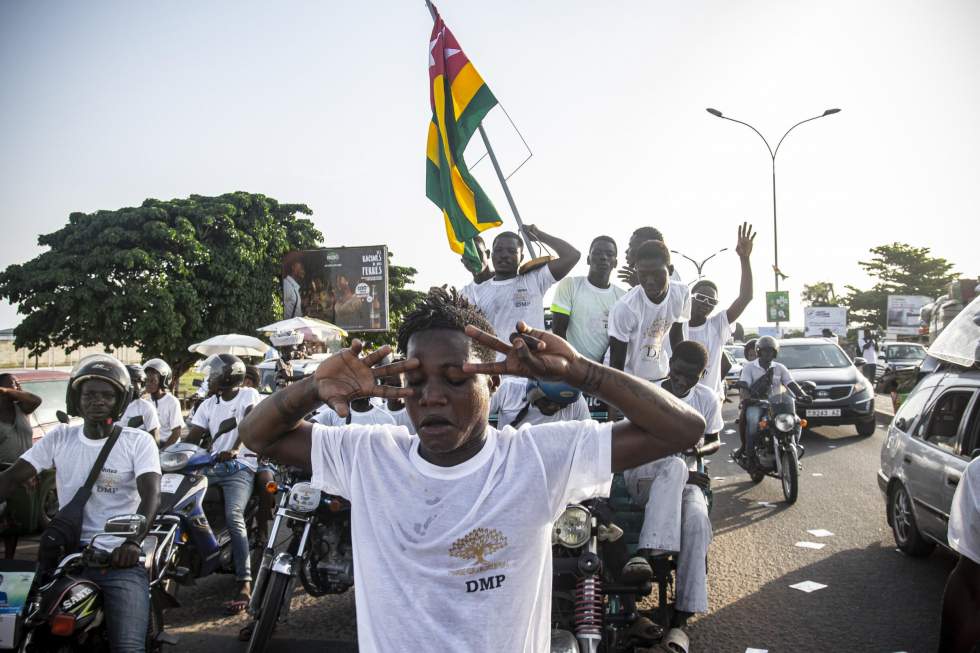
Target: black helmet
x=105, y=368
x=160, y=366
x=767, y=342
x=226, y=371
x=136, y=375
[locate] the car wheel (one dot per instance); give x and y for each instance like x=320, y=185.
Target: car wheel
x=867, y=428
x=906, y=531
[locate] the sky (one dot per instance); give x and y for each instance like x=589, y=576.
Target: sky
x=105, y=104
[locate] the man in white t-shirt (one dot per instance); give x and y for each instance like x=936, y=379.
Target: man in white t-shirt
x=459, y=517
x=676, y=519
x=713, y=331
x=528, y=401
x=641, y=321
x=128, y=483
x=960, y=628
x=365, y=410
x=869, y=352
x=627, y=273
x=219, y=416
x=167, y=406
x=509, y=296
x=140, y=414
x=580, y=308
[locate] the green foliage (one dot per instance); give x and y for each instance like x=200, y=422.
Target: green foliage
x=820, y=293
x=401, y=300
x=160, y=276
x=900, y=269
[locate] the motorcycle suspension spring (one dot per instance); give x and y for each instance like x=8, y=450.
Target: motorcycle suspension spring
x=588, y=606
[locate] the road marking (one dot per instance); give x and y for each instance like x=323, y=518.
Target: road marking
x=766, y=504
x=819, y=532
x=810, y=545
x=816, y=474
x=719, y=478
x=831, y=446
x=756, y=650
x=730, y=432
x=808, y=586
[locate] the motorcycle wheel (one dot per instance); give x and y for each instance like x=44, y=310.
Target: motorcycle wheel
x=790, y=475
x=272, y=602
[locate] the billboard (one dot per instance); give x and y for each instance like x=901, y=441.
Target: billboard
x=818, y=318
x=347, y=286
x=903, y=313
x=777, y=306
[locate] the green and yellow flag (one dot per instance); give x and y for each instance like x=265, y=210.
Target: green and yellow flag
x=460, y=100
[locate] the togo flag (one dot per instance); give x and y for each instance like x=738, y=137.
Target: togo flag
x=460, y=99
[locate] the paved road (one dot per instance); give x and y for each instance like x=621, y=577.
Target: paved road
x=876, y=599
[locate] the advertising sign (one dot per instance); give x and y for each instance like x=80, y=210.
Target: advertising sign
x=818, y=320
x=347, y=286
x=777, y=306
x=903, y=313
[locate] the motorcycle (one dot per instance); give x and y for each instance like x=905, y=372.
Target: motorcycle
x=319, y=553
x=776, y=449
x=64, y=613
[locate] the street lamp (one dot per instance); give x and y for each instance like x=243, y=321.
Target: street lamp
x=700, y=265
x=772, y=154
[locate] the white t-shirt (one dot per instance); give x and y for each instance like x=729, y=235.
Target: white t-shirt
x=170, y=414
x=402, y=418
x=506, y=302
x=141, y=408
x=708, y=405
x=752, y=371
x=868, y=351
x=644, y=326
x=72, y=455
x=963, y=532
x=511, y=397
x=587, y=308
x=470, y=544
x=214, y=410
x=377, y=414
x=713, y=334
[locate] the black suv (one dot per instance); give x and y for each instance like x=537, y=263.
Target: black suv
x=843, y=394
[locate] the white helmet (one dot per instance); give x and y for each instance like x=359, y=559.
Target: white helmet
x=160, y=366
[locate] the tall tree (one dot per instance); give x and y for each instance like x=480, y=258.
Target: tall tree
x=900, y=269
x=160, y=276
x=820, y=293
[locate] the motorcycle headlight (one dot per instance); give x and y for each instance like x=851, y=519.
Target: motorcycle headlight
x=303, y=497
x=573, y=528
x=563, y=641
x=173, y=461
x=785, y=422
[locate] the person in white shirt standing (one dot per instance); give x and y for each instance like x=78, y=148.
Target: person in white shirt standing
x=580, y=308
x=171, y=417
x=140, y=414
x=510, y=296
x=640, y=322
x=960, y=628
x=713, y=331
x=459, y=517
x=869, y=352
x=530, y=401
x=129, y=482
x=234, y=472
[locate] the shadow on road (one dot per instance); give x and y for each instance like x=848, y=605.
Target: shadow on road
x=892, y=603
x=733, y=510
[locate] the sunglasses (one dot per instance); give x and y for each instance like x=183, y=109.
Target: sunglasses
x=704, y=299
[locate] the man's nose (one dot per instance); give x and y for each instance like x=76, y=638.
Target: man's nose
x=432, y=395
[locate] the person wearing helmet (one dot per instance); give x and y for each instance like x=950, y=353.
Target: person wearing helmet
x=749, y=351
x=98, y=391
x=236, y=465
x=676, y=519
x=530, y=401
x=140, y=413
x=158, y=378
x=761, y=378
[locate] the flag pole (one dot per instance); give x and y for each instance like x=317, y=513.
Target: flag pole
x=496, y=167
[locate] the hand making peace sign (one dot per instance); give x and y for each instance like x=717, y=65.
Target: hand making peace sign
x=345, y=376
x=532, y=354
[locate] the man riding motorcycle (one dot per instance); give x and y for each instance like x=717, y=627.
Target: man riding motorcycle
x=140, y=413
x=98, y=391
x=531, y=401
x=236, y=466
x=158, y=378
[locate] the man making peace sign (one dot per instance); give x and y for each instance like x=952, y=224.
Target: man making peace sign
x=452, y=529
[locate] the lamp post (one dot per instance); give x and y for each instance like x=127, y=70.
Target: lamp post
x=700, y=265
x=772, y=154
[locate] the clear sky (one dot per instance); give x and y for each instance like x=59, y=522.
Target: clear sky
x=107, y=103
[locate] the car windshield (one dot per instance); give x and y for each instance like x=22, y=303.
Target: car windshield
x=812, y=356
x=52, y=394
x=905, y=352
x=738, y=351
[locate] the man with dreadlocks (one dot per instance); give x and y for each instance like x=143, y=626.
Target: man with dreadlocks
x=459, y=518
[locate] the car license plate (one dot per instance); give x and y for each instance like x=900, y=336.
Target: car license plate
x=823, y=412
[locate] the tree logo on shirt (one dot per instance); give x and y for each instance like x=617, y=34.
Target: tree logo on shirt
x=476, y=546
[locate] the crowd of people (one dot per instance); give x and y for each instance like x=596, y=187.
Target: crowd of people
x=480, y=423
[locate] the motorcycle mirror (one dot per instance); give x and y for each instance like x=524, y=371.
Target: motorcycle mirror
x=125, y=525
x=609, y=533
x=975, y=454
x=61, y=416
x=197, y=383
x=859, y=361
